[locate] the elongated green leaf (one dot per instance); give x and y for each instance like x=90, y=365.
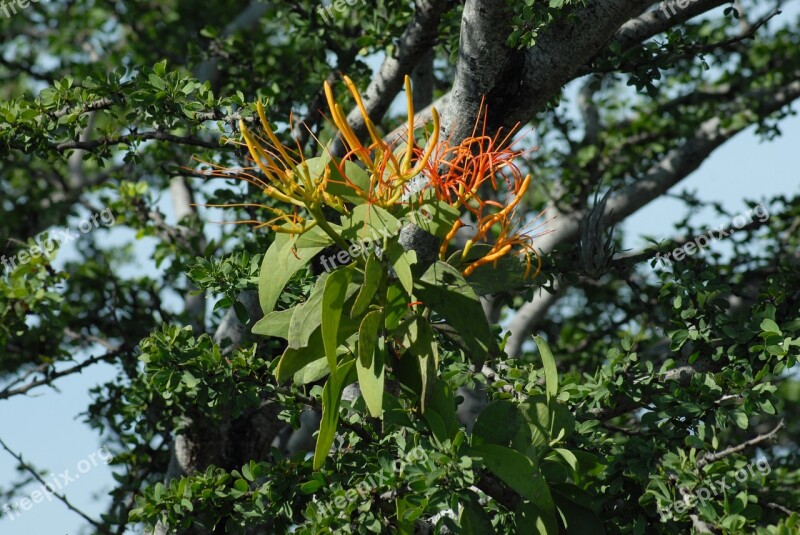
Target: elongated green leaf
x=280, y=262
x=316, y=237
x=443, y=289
x=396, y=306
x=532, y=519
x=550, y=371
x=506, y=273
x=473, y=519
x=415, y=336
x=370, y=365
x=331, y=400
x=294, y=360
x=577, y=511
x=486, y=427
x=276, y=324
x=402, y=261
x=521, y=474
x=374, y=273
x=307, y=316
x=547, y=420
x=342, y=186
x=443, y=402
x=314, y=371
x=333, y=298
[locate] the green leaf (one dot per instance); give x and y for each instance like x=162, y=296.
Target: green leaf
x=402, y=260
x=312, y=372
x=473, y=519
x=278, y=266
x=443, y=402
x=276, y=324
x=342, y=185
x=415, y=336
x=307, y=317
x=374, y=273
x=770, y=326
x=517, y=471
x=436, y=218
x=550, y=371
x=368, y=222
x=333, y=299
x=531, y=519
x=293, y=360
x=498, y=423
x=443, y=289
x=370, y=366
x=546, y=421
x=396, y=306
x=331, y=400
x=507, y=273
x=316, y=238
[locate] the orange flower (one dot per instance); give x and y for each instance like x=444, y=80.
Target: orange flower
x=461, y=174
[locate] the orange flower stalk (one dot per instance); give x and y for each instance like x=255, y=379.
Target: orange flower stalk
x=389, y=172
x=290, y=180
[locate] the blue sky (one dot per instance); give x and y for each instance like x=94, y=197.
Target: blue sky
x=47, y=427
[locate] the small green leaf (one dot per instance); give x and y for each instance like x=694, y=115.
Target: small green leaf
x=550, y=371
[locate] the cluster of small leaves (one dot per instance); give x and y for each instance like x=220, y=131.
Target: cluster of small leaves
x=191, y=374
x=228, y=276
x=530, y=17
x=218, y=499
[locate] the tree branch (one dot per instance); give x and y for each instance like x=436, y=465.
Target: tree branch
x=99, y=526
x=708, y=458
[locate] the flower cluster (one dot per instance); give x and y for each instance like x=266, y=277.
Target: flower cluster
x=471, y=176
x=468, y=175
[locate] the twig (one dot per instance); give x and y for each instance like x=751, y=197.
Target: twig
x=100, y=527
x=780, y=508
x=711, y=457
x=50, y=377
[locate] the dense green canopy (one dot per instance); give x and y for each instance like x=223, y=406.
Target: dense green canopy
x=479, y=367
